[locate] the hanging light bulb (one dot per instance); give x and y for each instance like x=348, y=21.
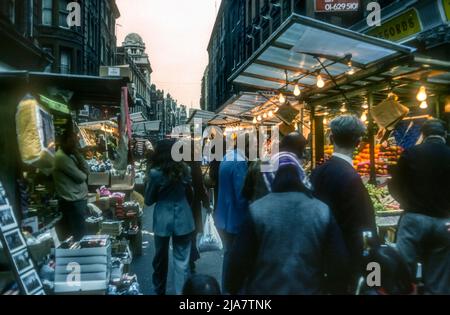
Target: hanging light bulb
x=422, y=95
x=343, y=108
x=297, y=91
x=351, y=70
x=265, y=116
x=365, y=105
x=276, y=109
x=320, y=81
x=424, y=105
x=364, y=117
x=282, y=99
x=254, y=120
x=325, y=120
x=259, y=118
x=270, y=114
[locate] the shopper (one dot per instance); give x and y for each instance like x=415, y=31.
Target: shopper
x=200, y=198
x=231, y=207
x=421, y=183
x=169, y=187
x=70, y=176
x=338, y=185
x=255, y=186
x=289, y=241
x=201, y=285
x=395, y=276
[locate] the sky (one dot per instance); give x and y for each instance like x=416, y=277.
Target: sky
x=176, y=34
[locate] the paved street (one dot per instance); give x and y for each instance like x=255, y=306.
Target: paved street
x=209, y=263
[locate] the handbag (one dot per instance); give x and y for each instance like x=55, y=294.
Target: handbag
x=210, y=240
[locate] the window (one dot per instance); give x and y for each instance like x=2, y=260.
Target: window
x=63, y=13
x=49, y=51
x=47, y=12
x=12, y=11
x=65, y=61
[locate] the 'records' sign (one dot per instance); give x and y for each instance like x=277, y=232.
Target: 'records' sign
x=337, y=5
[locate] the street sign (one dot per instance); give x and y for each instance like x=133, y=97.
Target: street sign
x=401, y=27
x=113, y=72
x=337, y=5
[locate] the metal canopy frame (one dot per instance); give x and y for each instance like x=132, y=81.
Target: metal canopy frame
x=286, y=51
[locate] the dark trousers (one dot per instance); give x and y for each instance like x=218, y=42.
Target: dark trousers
x=228, y=240
x=181, y=254
x=195, y=254
x=73, y=219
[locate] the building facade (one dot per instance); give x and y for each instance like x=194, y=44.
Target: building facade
x=78, y=49
x=18, y=28
x=132, y=53
x=243, y=25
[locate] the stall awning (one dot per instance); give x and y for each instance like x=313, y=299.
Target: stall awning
x=137, y=117
x=141, y=128
x=204, y=115
x=99, y=91
x=243, y=103
x=302, y=48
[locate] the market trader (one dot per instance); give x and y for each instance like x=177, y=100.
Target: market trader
x=70, y=174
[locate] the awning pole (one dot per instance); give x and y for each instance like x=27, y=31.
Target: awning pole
x=313, y=137
x=371, y=134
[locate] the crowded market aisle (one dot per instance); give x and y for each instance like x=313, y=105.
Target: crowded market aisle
x=209, y=263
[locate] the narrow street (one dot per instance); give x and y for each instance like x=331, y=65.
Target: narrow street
x=209, y=263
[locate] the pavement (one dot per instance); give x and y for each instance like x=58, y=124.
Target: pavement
x=209, y=264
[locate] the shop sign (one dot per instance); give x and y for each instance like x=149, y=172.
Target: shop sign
x=63, y=108
x=401, y=27
x=114, y=72
x=337, y=5
x=446, y=5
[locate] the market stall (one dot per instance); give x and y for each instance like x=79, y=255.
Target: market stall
x=35, y=107
x=330, y=71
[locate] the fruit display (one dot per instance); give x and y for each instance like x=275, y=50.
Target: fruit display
x=385, y=156
x=381, y=199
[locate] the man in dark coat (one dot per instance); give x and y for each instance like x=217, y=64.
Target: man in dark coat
x=421, y=183
x=337, y=184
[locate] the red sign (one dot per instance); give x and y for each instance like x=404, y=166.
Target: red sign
x=337, y=5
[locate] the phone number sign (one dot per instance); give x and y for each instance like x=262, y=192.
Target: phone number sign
x=337, y=5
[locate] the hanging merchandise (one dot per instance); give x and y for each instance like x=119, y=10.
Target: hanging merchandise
x=388, y=113
x=35, y=134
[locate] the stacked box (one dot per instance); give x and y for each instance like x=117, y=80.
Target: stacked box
x=113, y=228
x=83, y=270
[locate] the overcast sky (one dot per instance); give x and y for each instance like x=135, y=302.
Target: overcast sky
x=176, y=33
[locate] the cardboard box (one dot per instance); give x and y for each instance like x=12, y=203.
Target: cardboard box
x=61, y=269
x=99, y=179
x=86, y=287
x=83, y=252
x=91, y=260
x=122, y=182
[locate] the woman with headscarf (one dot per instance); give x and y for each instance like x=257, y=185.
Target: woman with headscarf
x=289, y=241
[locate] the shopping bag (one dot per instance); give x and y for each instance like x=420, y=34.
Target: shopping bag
x=210, y=240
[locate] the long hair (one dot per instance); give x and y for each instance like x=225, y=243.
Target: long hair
x=162, y=159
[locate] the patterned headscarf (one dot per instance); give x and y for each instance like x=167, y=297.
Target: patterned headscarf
x=281, y=159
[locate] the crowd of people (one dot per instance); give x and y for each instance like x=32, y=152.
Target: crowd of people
x=285, y=232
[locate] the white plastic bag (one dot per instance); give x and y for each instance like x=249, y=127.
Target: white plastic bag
x=210, y=240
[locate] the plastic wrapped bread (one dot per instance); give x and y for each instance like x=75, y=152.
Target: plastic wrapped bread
x=35, y=134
